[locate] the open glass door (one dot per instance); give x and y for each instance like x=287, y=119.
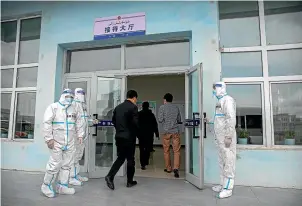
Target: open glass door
x=194, y=127
x=83, y=83
x=108, y=94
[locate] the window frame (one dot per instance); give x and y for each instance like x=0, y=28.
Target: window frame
x=268, y=137
x=14, y=90
x=264, y=145
x=272, y=115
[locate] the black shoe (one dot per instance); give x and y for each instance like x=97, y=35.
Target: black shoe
x=109, y=182
x=176, y=173
x=167, y=171
x=143, y=168
x=131, y=184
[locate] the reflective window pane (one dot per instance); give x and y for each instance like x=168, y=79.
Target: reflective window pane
x=285, y=62
x=285, y=19
x=95, y=60
x=5, y=113
x=239, y=23
x=108, y=97
x=241, y=64
x=27, y=77
x=248, y=113
x=25, y=115
x=29, y=41
x=287, y=113
x=7, y=76
x=158, y=55
x=8, y=42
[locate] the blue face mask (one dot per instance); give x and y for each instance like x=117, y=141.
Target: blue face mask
x=68, y=99
x=214, y=93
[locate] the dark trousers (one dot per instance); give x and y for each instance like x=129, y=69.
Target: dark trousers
x=125, y=151
x=145, y=148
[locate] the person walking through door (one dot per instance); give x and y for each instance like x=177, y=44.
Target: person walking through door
x=125, y=121
x=170, y=117
x=147, y=128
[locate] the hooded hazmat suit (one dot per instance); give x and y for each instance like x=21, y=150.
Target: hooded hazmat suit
x=225, y=134
x=62, y=124
x=80, y=103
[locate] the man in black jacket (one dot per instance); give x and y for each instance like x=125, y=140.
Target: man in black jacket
x=125, y=121
x=147, y=127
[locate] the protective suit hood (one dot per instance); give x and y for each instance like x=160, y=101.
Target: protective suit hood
x=219, y=89
x=79, y=95
x=66, y=92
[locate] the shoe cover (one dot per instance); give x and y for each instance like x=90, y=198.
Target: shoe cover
x=217, y=188
x=64, y=189
x=82, y=179
x=75, y=182
x=225, y=193
x=47, y=190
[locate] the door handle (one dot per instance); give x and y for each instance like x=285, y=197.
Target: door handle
x=96, y=126
x=195, y=122
x=204, y=125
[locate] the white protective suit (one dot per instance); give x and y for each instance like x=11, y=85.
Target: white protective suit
x=79, y=102
x=63, y=124
x=225, y=134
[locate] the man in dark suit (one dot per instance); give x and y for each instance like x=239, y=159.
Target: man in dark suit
x=147, y=127
x=125, y=121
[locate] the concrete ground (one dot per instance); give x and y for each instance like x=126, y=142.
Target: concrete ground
x=22, y=188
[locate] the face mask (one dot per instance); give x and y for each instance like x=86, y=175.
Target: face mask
x=214, y=93
x=69, y=100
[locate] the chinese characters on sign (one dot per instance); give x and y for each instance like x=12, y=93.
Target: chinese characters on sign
x=120, y=26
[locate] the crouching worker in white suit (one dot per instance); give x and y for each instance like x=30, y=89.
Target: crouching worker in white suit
x=225, y=134
x=62, y=124
x=80, y=103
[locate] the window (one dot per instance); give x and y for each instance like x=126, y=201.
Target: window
x=248, y=99
x=287, y=113
x=261, y=56
x=241, y=64
x=25, y=115
x=94, y=60
x=166, y=54
x=284, y=19
x=239, y=23
x=5, y=113
x=285, y=62
x=19, y=71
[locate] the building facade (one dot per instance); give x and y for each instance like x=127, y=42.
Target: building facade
x=255, y=47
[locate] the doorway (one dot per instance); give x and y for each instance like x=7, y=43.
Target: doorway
x=152, y=88
x=105, y=90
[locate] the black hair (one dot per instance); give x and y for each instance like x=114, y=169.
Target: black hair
x=168, y=97
x=131, y=94
x=145, y=105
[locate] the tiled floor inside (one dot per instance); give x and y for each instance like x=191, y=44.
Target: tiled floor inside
x=157, y=165
x=23, y=189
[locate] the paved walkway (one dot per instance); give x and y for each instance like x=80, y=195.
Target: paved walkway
x=23, y=189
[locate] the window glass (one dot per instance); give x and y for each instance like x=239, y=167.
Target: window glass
x=241, y=64
x=27, y=77
x=95, y=60
x=25, y=115
x=248, y=112
x=239, y=23
x=7, y=76
x=287, y=113
x=158, y=55
x=8, y=42
x=5, y=113
x=285, y=62
x=285, y=19
x=29, y=41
